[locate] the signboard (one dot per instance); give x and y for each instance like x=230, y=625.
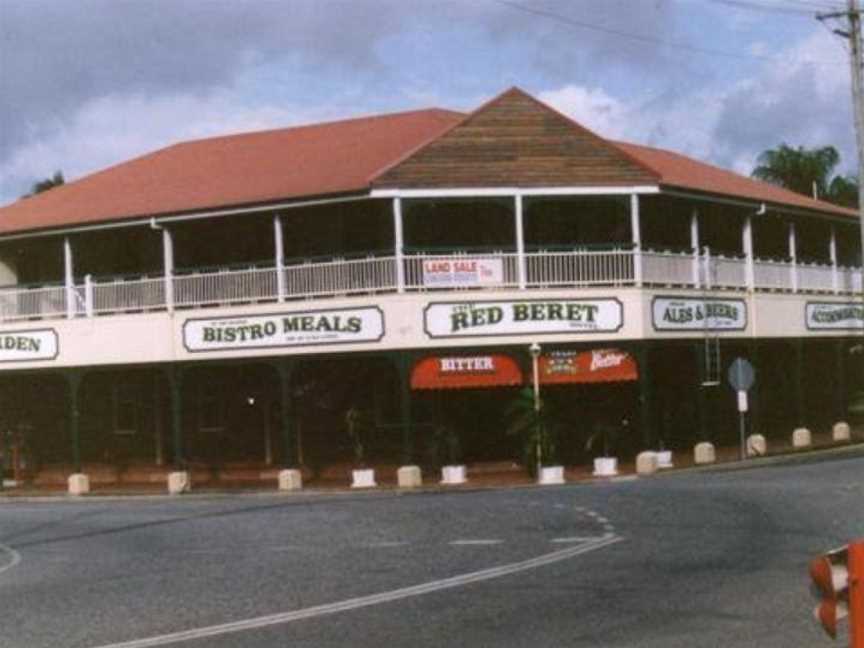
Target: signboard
x=527, y=317
x=28, y=346
x=595, y=366
x=462, y=273
x=741, y=374
x=457, y=372
x=297, y=328
x=698, y=314
x=827, y=316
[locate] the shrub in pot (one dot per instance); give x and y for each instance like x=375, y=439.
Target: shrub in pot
x=448, y=450
x=358, y=427
x=604, y=437
x=538, y=428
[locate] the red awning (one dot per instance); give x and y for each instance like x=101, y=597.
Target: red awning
x=461, y=372
x=595, y=366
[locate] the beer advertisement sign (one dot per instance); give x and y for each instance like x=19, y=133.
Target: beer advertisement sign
x=698, y=314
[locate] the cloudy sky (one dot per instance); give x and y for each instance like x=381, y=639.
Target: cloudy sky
x=88, y=83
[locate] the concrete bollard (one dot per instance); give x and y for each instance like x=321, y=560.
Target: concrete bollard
x=79, y=484
x=704, y=453
x=409, y=477
x=290, y=479
x=647, y=463
x=801, y=438
x=841, y=433
x=178, y=482
x=757, y=446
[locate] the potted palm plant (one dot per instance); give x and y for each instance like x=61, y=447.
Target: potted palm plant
x=534, y=422
x=604, y=436
x=362, y=476
x=449, y=451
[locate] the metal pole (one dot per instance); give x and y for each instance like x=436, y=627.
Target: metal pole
x=520, y=242
x=855, y=565
x=741, y=434
x=535, y=363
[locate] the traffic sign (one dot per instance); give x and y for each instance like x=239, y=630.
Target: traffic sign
x=741, y=374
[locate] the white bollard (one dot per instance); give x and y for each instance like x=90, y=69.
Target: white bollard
x=453, y=475
x=551, y=475
x=801, y=438
x=409, y=477
x=841, y=433
x=178, y=482
x=290, y=479
x=363, y=478
x=647, y=463
x=79, y=484
x=704, y=453
x=757, y=446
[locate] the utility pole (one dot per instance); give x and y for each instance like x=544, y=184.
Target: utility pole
x=853, y=35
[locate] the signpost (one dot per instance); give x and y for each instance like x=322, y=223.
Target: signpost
x=741, y=377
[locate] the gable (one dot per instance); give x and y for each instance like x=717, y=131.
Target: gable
x=516, y=141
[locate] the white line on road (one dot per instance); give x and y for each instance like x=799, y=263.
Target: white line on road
x=14, y=558
x=366, y=601
x=386, y=544
x=459, y=543
x=577, y=539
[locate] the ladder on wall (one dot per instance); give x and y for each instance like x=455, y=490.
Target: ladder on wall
x=712, y=360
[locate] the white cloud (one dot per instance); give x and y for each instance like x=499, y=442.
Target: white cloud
x=591, y=107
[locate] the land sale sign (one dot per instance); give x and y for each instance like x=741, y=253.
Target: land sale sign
x=455, y=273
x=529, y=317
x=298, y=328
x=687, y=314
x=826, y=316
x=28, y=346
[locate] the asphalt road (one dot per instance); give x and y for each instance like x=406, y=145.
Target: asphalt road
x=696, y=559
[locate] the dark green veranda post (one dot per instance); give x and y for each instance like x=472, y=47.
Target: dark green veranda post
x=73, y=413
x=646, y=397
x=403, y=363
x=285, y=368
x=175, y=388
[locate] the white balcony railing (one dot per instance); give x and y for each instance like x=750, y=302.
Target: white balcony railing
x=458, y=271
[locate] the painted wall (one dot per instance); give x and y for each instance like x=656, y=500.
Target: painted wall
x=419, y=321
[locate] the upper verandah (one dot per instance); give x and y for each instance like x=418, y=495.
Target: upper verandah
x=511, y=141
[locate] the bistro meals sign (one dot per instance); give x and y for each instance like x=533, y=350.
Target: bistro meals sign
x=27, y=346
x=707, y=314
x=299, y=328
x=528, y=317
x=834, y=316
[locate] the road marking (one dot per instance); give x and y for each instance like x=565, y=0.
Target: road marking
x=458, y=543
x=386, y=544
x=14, y=558
x=577, y=539
x=366, y=601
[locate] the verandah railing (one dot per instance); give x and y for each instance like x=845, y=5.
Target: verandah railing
x=577, y=268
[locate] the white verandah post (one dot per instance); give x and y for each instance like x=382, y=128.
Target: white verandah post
x=832, y=250
x=398, y=244
x=694, y=245
x=279, y=248
x=168, y=268
x=636, y=234
x=747, y=244
x=793, y=255
x=520, y=243
x=69, y=279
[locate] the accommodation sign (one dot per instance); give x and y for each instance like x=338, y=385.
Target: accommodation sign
x=687, y=314
x=297, y=328
x=528, y=317
x=27, y=346
x=834, y=316
x=456, y=273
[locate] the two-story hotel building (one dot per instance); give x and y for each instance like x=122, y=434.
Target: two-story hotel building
x=225, y=303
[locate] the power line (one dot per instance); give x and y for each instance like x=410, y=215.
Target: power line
x=579, y=24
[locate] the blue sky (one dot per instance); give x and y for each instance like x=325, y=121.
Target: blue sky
x=90, y=83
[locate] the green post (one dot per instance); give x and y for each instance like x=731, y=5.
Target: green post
x=754, y=416
x=840, y=386
x=73, y=380
x=646, y=398
x=285, y=368
x=799, y=383
x=403, y=363
x=701, y=404
x=174, y=374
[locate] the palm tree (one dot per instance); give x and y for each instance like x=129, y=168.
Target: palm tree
x=843, y=190
x=798, y=169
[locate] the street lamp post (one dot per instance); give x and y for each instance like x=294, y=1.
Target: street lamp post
x=535, y=365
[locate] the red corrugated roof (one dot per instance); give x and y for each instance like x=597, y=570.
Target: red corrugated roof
x=680, y=171
x=315, y=160
x=251, y=168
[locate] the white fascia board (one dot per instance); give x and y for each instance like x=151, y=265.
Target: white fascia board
x=155, y=221
x=482, y=192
